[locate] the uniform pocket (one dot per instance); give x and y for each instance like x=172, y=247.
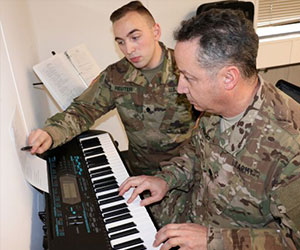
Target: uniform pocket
x=131, y=114
x=222, y=194
x=178, y=115
x=236, y=203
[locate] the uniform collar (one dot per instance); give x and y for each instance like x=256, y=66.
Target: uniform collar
x=234, y=138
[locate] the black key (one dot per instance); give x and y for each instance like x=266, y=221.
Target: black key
x=107, y=172
x=121, y=227
x=90, y=143
x=113, y=208
x=95, y=171
x=124, y=233
x=109, y=195
x=115, y=213
x=93, y=151
x=106, y=188
x=105, y=184
x=139, y=247
x=128, y=243
x=97, y=161
x=107, y=201
x=104, y=181
x=118, y=218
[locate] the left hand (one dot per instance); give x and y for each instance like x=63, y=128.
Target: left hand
x=187, y=236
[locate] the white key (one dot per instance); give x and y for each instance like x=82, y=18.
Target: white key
x=140, y=215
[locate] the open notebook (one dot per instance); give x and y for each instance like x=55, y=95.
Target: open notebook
x=66, y=75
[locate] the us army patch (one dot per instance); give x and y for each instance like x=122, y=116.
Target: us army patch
x=246, y=170
x=127, y=89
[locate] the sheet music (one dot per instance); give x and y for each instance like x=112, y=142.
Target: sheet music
x=34, y=169
x=61, y=79
x=84, y=63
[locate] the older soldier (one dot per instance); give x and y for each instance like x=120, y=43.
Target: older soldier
x=243, y=160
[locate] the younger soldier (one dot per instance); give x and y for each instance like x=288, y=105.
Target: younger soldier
x=142, y=86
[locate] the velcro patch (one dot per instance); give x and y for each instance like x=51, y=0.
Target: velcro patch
x=127, y=89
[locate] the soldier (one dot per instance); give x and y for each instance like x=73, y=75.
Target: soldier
x=142, y=86
x=243, y=160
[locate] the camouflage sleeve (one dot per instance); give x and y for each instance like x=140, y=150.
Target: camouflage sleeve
x=179, y=171
x=283, y=232
x=245, y=238
x=285, y=198
x=95, y=101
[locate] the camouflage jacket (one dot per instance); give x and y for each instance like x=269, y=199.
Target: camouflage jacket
x=156, y=118
x=245, y=181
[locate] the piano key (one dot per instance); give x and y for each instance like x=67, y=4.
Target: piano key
x=102, y=173
x=118, y=223
x=110, y=200
x=138, y=247
x=115, y=213
x=102, y=186
x=97, y=161
x=121, y=227
x=126, y=241
x=110, y=204
x=108, y=187
x=113, y=208
x=124, y=233
x=146, y=227
x=96, y=170
x=108, y=195
x=90, y=142
x=118, y=218
x=93, y=151
x=105, y=186
x=102, y=181
x=104, y=192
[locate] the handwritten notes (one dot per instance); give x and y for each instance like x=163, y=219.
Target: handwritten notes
x=66, y=75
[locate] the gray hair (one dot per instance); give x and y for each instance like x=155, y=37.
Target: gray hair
x=226, y=37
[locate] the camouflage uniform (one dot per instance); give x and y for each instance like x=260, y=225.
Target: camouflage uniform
x=156, y=118
x=246, y=180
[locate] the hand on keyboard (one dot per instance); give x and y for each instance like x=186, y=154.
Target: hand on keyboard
x=157, y=187
x=186, y=236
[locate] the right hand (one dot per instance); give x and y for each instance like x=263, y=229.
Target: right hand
x=40, y=141
x=157, y=186
x=186, y=236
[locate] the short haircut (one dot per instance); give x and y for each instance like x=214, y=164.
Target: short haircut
x=226, y=37
x=133, y=6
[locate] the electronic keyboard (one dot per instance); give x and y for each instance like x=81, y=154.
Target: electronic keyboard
x=83, y=208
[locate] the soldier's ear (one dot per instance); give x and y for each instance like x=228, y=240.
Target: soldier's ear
x=230, y=77
x=156, y=31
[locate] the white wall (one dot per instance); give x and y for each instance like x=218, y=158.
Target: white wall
x=19, y=224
